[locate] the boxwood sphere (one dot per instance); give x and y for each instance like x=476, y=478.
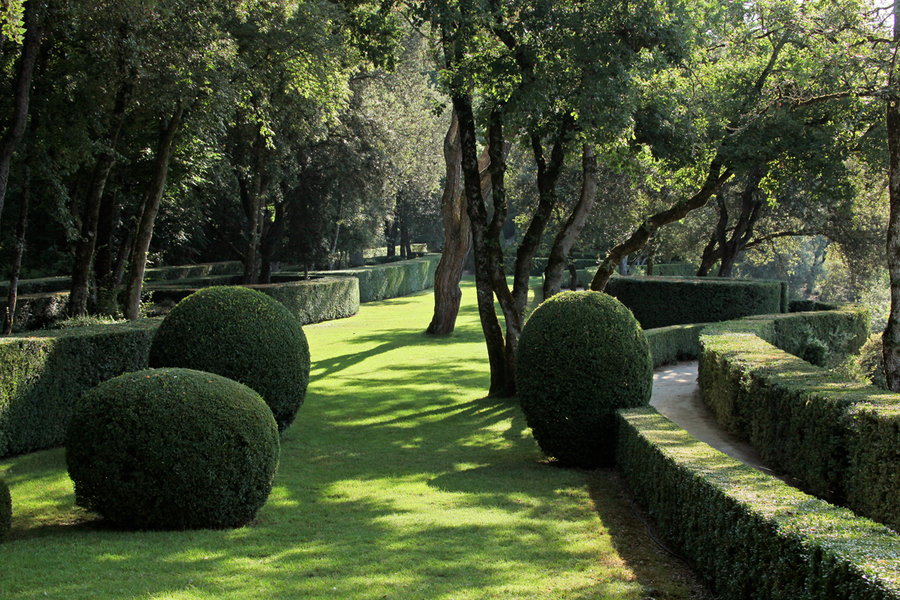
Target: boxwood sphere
x=581, y=356
x=172, y=449
x=241, y=334
x=5, y=510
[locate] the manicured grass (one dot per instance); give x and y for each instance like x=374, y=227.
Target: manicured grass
x=397, y=480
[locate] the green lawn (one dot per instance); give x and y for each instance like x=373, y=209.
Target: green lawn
x=397, y=480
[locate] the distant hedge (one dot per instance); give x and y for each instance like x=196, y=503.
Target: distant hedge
x=393, y=280
x=310, y=301
x=837, y=436
x=674, y=343
x=750, y=535
x=664, y=301
x=193, y=271
x=43, y=374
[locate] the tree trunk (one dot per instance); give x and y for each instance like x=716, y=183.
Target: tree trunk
x=31, y=42
x=84, y=248
x=751, y=208
x=457, y=235
x=891, y=336
x=565, y=239
x=253, y=193
x=405, y=245
x=273, y=231
x=639, y=237
x=149, y=208
x=21, y=227
x=477, y=211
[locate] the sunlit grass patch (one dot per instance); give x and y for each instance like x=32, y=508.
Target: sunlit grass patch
x=398, y=479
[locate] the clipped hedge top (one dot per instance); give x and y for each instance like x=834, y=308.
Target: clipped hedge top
x=149, y=324
x=751, y=342
x=873, y=548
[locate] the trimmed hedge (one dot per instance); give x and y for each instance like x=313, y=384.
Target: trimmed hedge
x=674, y=343
x=839, y=437
x=172, y=449
x=193, y=271
x=317, y=300
x=43, y=374
x=581, y=356
x=663, y=301
x=241, y=334
x=43, y=285
x=393, y=280
x=752, y=536
x=5, y=510
x=310, y=301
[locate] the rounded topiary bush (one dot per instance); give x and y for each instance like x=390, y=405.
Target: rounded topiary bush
x=581, y=356
x=5, y=510
x=241, y=334
x=172, y=449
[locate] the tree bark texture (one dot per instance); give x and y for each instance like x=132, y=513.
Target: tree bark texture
x=253, y=194
x=485, y=253
x=891, y=336
x=565, y=239
x=457, y=233
x=90, y=217
x=149, y=209
x=21, y=227
x=31, y=42
x=714, y=180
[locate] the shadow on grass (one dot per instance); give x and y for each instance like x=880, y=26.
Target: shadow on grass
x=396, y=481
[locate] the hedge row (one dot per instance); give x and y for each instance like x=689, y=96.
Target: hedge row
x=664, y=301
x=837, y=436
x=193, y=271
x=752, y=536
x=674, y=343
x=309, y=300
x=42, y=375
x=393, y=280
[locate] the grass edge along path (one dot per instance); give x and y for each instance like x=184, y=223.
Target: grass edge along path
x=397, y=480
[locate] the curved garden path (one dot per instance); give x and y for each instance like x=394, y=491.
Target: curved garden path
x=676, y=396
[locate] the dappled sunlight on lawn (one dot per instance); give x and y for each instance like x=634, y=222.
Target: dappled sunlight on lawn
x=398, y=479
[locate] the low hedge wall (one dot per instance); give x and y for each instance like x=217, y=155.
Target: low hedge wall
x=837, y=436
x=193, y=271
x=309, y=300
x=750, y=535
x=664, y=301
x=674, y=343
x=317, y=300
x=393, y=280
x=43, y=374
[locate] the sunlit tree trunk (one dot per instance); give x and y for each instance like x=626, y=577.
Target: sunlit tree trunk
x=891, y=335
x=565, y=239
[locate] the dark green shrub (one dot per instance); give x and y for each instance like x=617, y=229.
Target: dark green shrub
x=581, y=356
x=240, y=334
x=5, y=510
x=871, y=361
x=172, y=449
x=42, y=375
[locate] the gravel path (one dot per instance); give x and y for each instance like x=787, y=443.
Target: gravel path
x=677, y=397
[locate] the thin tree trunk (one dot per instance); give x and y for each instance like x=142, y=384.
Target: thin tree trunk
x=714, y=180
x=84, y=248
x=891, y=336
x=150, y=206
x=751, y=207
x=21, y=227
x=477, y=211
x=31, y=42
x=565, y=239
